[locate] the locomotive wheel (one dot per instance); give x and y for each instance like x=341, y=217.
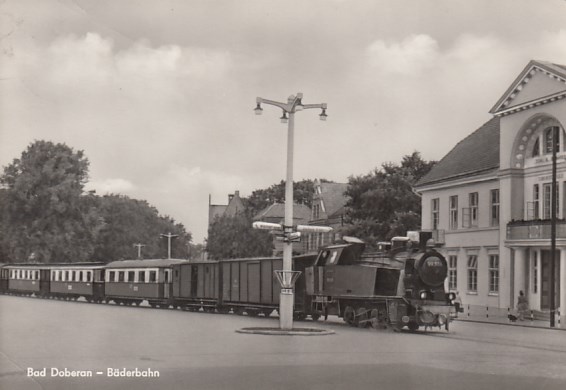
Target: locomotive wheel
x=361, y=317
x=349, y=315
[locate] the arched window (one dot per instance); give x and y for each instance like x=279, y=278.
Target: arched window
x=548, y=140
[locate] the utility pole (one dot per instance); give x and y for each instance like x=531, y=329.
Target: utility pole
x=139, y=246
x=169, y=237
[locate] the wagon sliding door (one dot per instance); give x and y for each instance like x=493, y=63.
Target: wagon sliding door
x=254, y=282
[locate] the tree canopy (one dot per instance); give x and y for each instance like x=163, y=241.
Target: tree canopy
x=381, y=204
x=45, y=216
x=232, y=237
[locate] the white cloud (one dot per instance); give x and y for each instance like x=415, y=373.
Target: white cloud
x=412, y=55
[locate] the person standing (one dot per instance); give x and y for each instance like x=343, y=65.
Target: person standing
x=522, y=305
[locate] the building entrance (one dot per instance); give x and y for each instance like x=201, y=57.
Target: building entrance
x=545, y=280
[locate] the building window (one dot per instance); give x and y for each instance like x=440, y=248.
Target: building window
x=535, y=271
x=494, y=274
x=548, y=141
x=546, y=204
x=536, y=148
x=453, y=208
x=452, y=272
x=473, y=273
x=536, y=201
x=474, y=200
x=315, y=211
x=494, y=209
x=435, y=213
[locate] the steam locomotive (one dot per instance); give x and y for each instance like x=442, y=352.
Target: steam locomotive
x=401, y=285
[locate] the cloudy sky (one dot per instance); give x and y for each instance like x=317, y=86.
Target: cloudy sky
x=160, y=94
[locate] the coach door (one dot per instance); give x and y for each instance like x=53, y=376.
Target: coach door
x=167, y=285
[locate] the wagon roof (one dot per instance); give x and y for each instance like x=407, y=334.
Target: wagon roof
x=298, y=257
x=149, y=263
x=53, y=265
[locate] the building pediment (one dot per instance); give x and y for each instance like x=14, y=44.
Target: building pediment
x=539, y=83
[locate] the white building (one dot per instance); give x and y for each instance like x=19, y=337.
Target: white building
x=491, y=194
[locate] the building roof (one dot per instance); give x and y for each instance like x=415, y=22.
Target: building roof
x=276, y=212
x=332, y=194
x=476, y=154
x=556, y=72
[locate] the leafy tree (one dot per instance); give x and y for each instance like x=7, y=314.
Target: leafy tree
x=381, y=204
x=129, y=221
x=233, y=237
x=45, y=218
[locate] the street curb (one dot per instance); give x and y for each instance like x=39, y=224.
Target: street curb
x=514, y=324
x=282, y=332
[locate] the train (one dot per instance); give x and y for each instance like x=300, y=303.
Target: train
x=401, y=285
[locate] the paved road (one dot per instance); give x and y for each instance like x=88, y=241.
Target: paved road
x=203, y=351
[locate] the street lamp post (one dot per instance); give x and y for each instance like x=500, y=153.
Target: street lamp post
x=293, y=105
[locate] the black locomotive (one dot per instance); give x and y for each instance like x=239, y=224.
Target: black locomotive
x=400, y=285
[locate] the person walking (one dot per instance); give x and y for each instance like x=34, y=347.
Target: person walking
x=522, y=305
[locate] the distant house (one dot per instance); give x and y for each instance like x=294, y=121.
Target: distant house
x=328, y=209
x=275, y=213
x=234, y=206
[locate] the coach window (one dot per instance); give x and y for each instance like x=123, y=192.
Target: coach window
x=111, y=276
x=37, y=275
x=141, y=276
x=80, y=276
x=121, y=276
x=88, y=276
x=131, y=276
x=152, y=276
x=72, y=276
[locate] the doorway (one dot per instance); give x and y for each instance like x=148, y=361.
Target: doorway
x=545, y=279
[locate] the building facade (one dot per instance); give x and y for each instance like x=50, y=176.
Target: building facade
x=492, y=196
x=328, y=209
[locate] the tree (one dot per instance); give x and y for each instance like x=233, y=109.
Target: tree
x=128, y=221
x=381, y=204
x=233, y=237
x=46, y=220
x=260, y=199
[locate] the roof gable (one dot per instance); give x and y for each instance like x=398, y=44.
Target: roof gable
x=476, y=154
x=539, y=83
x=332, y=196
x=276, y=212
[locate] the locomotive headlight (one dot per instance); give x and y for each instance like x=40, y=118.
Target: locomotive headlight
x=423, y=294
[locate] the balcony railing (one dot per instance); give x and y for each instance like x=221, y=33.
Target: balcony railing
x=538, y=229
